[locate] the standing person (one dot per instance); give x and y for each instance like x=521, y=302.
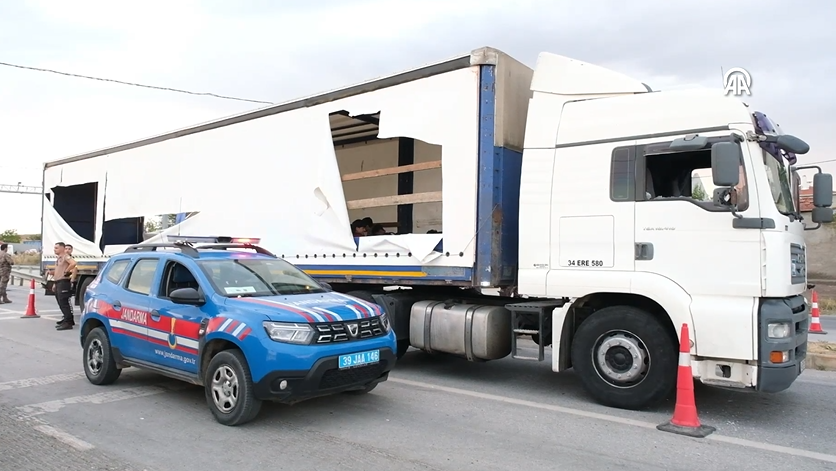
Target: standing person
x=6, y=263
x=74, y=275
x=64, y=266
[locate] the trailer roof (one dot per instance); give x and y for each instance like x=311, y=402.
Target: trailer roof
x=481, y=56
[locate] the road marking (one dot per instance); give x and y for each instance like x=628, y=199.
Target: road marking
x=64, y=437
x=32, y=410
x=610, y=418
x=44, y=380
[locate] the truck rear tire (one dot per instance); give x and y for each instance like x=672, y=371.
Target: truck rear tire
x=625, y=358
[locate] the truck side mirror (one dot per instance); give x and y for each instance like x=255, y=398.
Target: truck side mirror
x=822, y=215
x=822, y=190
x=822, y=198
x=725, y=164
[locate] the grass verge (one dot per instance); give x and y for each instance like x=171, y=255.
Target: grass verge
x=27, y=259
x=821, y=356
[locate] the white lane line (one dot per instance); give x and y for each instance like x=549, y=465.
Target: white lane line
x=32, y=410
x=42, y=381
x=64, y=437
x=613, y=419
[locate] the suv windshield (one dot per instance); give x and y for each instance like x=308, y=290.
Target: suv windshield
x=779, y=183
x=257, y=277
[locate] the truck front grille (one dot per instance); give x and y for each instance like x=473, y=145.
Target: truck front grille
x=346, y=331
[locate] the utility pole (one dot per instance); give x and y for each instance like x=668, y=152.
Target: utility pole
x=21, y=189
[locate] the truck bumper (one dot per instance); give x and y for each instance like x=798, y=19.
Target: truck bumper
x=324, y=378
x=777, y=376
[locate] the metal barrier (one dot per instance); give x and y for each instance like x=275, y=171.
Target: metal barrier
x=25, y=275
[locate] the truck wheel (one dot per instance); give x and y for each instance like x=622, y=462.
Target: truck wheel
x=229, y=389
x=99, y=364
x=403, y=346
x=625, y=358
x=79, y=299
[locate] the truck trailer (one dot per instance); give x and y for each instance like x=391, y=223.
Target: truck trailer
x=569, y=204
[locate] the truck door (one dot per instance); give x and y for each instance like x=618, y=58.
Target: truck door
x=682, y=236
x=592, y=221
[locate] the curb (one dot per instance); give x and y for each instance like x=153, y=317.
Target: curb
x=817, y=361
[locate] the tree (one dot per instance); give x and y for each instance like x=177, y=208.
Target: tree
x=698, y=193
x=10, y=236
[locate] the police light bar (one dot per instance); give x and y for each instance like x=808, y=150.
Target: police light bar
x=212, y=239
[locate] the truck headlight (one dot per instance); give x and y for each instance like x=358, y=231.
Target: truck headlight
x=289, y=332
x=384, y=322
x=778, y=330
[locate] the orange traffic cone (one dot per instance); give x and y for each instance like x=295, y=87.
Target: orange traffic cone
x=685, y=420
x=815, y=322
x=30, y=307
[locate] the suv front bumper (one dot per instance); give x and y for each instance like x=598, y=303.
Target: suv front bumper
x=324, y=378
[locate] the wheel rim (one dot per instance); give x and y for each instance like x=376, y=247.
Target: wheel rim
x=225, y=388
x=95, y=357
x=621, y=359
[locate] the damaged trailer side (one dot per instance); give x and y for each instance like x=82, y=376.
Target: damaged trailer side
x=432, y=154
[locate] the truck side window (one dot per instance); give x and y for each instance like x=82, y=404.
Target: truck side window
x=681, y=175
x=623, y=174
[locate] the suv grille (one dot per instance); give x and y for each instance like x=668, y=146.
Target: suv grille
x=360, y=329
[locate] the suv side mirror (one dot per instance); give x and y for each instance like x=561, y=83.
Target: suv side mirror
x=725, y=164
x=325, y=286
x=187, y=296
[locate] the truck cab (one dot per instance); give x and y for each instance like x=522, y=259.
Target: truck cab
x=662, y=209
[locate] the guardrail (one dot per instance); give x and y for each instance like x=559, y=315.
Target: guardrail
x=21, y=275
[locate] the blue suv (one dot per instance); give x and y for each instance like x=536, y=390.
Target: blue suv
x=246, y=325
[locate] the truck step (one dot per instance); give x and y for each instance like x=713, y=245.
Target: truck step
x=521, y=315
x=533, y=307
x=526, y=331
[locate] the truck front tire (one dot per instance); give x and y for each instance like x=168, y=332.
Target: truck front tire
x=625, y=358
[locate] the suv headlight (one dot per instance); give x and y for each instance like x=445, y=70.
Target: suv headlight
x=384, y=322
x=289, y=332
x=778, y=330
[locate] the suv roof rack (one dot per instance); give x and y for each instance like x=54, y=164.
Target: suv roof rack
x=257, y=248
x=185, y=247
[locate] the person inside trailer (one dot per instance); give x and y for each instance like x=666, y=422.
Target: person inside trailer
x=369, y=224
x=358, y=228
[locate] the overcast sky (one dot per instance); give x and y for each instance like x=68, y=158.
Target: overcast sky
x=275, y=50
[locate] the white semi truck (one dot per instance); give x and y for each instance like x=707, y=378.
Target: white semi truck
x=569, y=203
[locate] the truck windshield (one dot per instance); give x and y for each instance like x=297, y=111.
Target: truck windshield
x=257, y=277
x=779, y=184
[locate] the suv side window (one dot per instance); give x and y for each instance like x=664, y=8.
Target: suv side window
x=142, y=276
x=176, y=276
x=116, y=270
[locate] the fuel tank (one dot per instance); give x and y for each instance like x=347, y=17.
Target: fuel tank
x=473, y=331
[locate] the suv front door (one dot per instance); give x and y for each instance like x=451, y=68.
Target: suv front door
x=174, y=327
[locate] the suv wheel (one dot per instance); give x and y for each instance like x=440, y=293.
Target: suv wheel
x=229, y=389
x=99, y=365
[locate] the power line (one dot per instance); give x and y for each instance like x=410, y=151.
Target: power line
x=167, y=89
x=819, y=162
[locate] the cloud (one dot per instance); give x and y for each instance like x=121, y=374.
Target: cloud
x=277, y=51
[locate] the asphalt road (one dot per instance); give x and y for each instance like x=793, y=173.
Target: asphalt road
x=435, y=413
x=828, y=323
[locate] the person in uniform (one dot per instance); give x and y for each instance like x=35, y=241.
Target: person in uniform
x=6, y=263
x=64, y=267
